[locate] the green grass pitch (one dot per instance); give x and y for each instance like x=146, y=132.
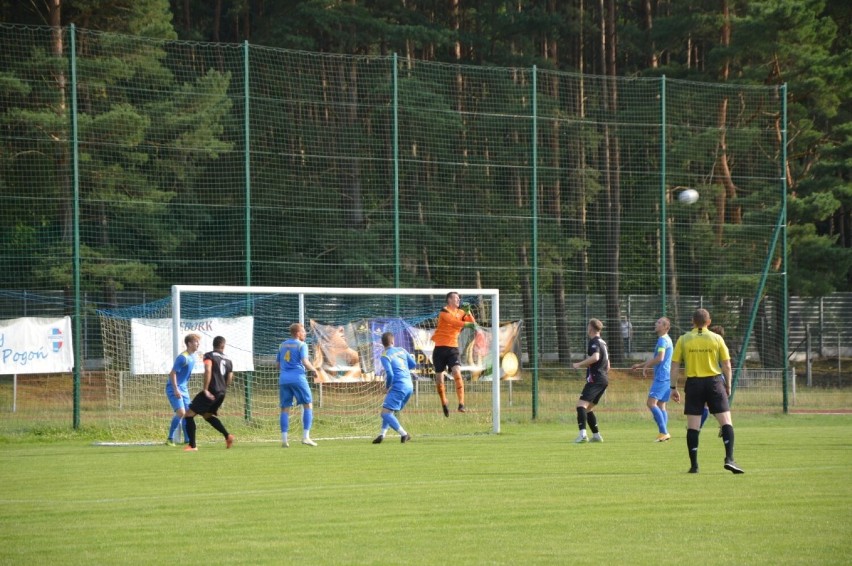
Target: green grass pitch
x=525, y=496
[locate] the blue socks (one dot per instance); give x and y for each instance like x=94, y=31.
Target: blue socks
x=659, y=418
x=704, y=415
x=390, y=420
x=173, y=427
x=307, y=419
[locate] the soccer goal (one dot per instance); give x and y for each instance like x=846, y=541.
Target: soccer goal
x=344, y=328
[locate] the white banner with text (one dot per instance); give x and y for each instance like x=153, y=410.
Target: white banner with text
x=36, y=345
x=151, y=342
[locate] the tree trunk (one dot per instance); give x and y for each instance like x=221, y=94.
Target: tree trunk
x=551, y=53
x=672, y=270
x=582, y=157
x=217, y=21
x=353, y=201
x=187, y=17
x=611, y=163
x=61, y=156
x=522, y=201
x=723, y=169
x=648, y=8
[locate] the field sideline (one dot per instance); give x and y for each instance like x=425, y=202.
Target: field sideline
x=525, y=496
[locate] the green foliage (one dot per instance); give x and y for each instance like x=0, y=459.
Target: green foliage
x=820, y=266
x=165, y=182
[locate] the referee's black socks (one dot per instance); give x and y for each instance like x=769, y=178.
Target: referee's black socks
x=728, y=439
x=692, y=445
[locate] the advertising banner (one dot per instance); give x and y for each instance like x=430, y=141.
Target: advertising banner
x=151, y=342
x=36, y=345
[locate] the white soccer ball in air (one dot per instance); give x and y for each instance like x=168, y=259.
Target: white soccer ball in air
x=688, y=196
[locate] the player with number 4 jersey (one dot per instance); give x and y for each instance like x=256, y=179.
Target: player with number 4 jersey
x=293, y=383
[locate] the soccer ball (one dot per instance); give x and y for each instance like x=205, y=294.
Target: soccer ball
x=509, y=365
x=688, y=196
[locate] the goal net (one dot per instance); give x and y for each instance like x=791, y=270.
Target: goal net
x=344, y=328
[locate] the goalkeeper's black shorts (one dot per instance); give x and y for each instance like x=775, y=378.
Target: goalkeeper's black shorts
x=445, y=357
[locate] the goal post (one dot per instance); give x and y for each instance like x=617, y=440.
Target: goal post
x=388, y=306
x=344, y=327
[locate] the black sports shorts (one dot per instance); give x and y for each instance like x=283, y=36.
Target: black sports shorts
x=592, y=392
x=705, y=390
x=202, y=405
x=445, y=357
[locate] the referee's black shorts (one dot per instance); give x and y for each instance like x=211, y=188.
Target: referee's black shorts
x=705, y=390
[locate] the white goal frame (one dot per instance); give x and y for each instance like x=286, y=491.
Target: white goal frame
x=493, y=294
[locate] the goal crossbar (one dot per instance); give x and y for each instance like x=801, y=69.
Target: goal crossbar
x=301, y=292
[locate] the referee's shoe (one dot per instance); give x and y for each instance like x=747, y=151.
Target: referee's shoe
x=732, y=467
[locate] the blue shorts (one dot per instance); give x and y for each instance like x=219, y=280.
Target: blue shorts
x=178, y=403
x=299, y=391
x=397, y=397
x=660, y=390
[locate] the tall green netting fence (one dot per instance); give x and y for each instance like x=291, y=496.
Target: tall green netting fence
x=132, y=164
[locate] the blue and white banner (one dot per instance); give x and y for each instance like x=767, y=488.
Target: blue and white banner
x=151, y=342
x=36, y=345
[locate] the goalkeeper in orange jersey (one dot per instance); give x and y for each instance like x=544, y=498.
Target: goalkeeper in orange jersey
x=451, y=320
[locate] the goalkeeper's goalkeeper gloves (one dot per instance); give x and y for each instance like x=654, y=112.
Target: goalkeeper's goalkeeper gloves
x=466, y=308
x=470, y=325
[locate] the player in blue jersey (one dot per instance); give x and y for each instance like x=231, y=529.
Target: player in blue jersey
x=398, y=364
x=293, y=383
x=660, y=390
x=218, y=375
x=597, y=380
x=177, y=386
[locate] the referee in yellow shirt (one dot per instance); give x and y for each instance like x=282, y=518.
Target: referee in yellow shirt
x=703, y=352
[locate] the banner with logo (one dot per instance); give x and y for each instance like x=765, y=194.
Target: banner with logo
x=351, y=352
x=475, y=350
x=343, y=353
x=151, y=342
x=403, y=337
x=36, y=345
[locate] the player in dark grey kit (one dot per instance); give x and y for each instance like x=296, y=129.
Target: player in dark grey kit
x=597, y=366
x=218, y=375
